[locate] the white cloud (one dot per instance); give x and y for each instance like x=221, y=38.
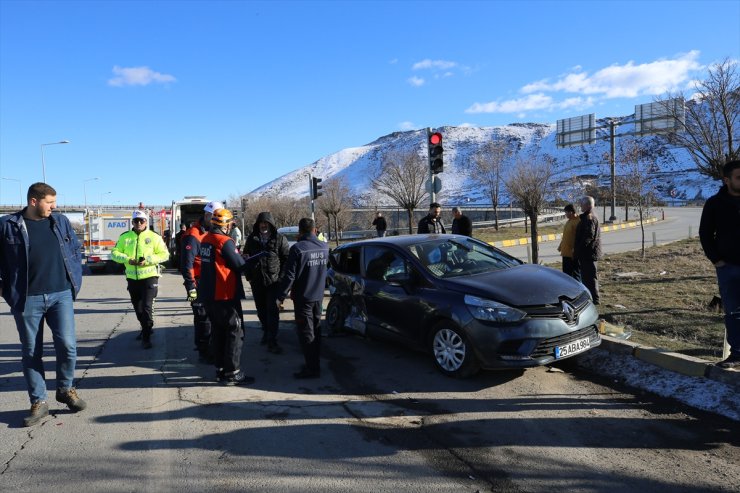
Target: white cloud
x=625, y=81
x=434, y=64
x=616, y=81
x=530, y=102
x=138, y=76
x=415, y=81
x=407, y=125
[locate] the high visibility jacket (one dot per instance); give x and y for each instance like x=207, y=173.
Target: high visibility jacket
x=147, y=244
x=221, y=267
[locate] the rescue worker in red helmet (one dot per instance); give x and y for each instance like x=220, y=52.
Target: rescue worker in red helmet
x=221, y=291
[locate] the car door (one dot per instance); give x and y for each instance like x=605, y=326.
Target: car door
x=394, y=309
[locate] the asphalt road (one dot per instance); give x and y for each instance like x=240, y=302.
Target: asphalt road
x=678, y=224
x=379, y=419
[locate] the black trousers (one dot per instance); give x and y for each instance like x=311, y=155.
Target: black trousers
x=202, y=325
x=308, y=328
x=267, y=311
x=571, y=267
x=590, y=277
x=227, y=335
x=143, y=292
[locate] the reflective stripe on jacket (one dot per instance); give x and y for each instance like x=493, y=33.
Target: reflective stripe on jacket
x=147, y=244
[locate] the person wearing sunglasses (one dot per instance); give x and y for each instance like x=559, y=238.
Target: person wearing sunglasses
x=141, y=250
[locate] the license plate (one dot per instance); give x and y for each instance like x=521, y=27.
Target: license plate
x=571, y=348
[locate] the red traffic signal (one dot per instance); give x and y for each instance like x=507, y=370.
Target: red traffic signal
x=436, y=163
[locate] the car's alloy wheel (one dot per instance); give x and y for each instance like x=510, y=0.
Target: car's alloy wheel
x=451, y=352
x=336, y=312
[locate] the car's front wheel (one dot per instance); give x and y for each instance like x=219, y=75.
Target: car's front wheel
x=452, y=353
x=336, y=313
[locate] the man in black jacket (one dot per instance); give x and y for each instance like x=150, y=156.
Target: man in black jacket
x=305, y=278
x=461, y=224
x=587, y=248
x=432, y=222
x=264, y=273
x=719, y=232
x=380, y=224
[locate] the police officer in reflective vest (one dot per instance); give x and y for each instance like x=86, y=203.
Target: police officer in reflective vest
x=141, y=250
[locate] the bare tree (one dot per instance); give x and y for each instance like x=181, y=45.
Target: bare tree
x=528, y=184
x=638, y=189
x=402, y=178
x=488, y=170
x=285, y=211
x=335, y=204
x=711, y=129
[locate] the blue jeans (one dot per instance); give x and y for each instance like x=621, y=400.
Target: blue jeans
x=728, y=278
x=57, y=309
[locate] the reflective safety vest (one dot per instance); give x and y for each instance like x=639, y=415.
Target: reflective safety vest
x=147, y=244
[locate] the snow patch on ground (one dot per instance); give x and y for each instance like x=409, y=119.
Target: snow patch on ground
x=698, y=392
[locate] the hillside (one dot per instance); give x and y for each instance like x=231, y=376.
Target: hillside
x=675, y=176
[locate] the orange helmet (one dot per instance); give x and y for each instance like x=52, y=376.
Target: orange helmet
x=222, y=218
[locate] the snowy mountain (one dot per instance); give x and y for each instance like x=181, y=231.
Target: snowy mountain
x=674, y=173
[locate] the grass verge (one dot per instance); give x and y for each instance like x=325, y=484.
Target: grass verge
x=664, y=298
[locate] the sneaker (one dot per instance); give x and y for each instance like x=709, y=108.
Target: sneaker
x=39, y=410
x=732, y=361
x=263, y=341
x=238, y=378
x=274, y=348
x=306, y=373
x=220, y=375
x=71, y=399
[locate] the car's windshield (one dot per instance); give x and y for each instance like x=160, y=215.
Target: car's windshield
x=459, y=257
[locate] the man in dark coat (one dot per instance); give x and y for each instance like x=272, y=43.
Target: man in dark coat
x=305, y=278
x=461, y=224
x=264, y=273
x=380, y=224
x=719, y=232
x=432, y=222
x=587, y=248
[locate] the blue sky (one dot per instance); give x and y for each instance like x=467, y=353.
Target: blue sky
x=165, y=99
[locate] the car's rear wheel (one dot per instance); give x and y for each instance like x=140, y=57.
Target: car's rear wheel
x=452, y=354
x=336, y=313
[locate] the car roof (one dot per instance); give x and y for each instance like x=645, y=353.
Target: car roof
x=401, y=240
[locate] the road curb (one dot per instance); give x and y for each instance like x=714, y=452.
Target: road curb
x=557, y=236
x=675, y=362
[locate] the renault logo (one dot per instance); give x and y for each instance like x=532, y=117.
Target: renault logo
x=569, y=312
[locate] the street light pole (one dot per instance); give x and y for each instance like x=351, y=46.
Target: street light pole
x=20, y=193
x=87, y=223
x=43, y=165
x=101, y=199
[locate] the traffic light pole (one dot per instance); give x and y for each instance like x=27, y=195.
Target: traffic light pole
x=431, y=174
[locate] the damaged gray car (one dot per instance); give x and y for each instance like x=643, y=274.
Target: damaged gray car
x=468, y=304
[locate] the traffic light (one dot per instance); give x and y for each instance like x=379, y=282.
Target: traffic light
x=436, y=164
x=316, y=188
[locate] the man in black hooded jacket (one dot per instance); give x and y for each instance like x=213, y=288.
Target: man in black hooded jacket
x=264, y=274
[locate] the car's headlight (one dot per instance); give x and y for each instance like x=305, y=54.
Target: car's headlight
x=492, y=311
